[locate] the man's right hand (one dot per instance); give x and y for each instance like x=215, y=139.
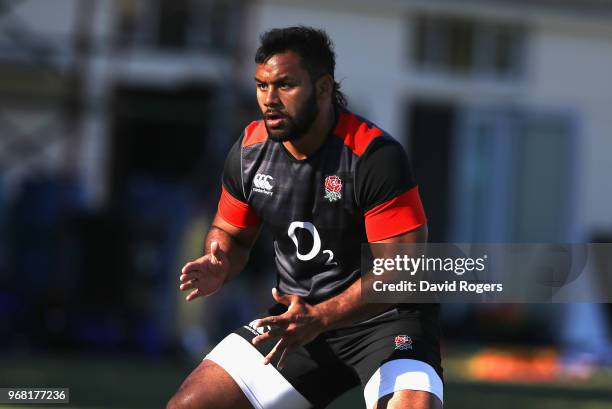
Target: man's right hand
x=204, y=276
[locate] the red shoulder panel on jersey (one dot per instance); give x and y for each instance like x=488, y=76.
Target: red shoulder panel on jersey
x=255, y=133
x=236, y=212
x=355, y=132
x=395, y=216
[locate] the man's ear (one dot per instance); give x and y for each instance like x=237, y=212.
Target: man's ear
x=325, y=86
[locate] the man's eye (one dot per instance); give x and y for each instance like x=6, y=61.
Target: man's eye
x=262, y=86
x=284, y=86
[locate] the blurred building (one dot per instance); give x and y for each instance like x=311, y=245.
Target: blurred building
x=115, y=118
x=452, y=78
x=87, y=85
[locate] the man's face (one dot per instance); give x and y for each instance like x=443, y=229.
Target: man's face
x=286, y=96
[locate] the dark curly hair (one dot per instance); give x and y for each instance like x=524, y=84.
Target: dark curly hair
x=312, y=45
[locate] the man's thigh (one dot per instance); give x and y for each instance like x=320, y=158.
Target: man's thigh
x=397, y=357
x=311, y=378
x=209, y=386
x=407, y=399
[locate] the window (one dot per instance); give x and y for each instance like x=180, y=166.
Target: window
x=464, y=46
x=178, y=24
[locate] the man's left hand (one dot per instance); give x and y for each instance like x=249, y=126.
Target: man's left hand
x=296, y=327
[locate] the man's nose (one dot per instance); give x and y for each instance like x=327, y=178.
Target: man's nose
x=272, y=97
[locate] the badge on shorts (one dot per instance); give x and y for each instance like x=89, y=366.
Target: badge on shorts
x=403, y=342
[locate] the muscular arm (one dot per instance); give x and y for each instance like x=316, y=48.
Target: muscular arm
x=348, y=306
x=235, y=242
x=226, y=253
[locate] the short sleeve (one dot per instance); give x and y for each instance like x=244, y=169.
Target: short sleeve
x=386, y=191
x=233, y=206
x=232, y=172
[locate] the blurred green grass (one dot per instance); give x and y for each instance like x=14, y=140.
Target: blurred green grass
x=128, y=383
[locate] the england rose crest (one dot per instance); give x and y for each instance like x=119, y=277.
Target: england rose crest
x=333, y=186
x=403, y=342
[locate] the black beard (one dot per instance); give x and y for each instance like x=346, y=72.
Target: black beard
x=298, y=126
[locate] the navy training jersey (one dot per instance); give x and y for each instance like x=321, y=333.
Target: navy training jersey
x=357, y=187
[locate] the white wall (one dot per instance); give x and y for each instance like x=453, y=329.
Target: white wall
x=571, y=67
x=54, y=17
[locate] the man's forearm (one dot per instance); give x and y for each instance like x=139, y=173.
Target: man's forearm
x=347, y=308
x=237, y=253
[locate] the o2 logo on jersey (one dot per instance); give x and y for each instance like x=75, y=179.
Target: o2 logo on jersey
x=263, y=184
x=333, y=186
x=316, y=243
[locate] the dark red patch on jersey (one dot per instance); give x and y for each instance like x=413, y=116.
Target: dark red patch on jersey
x=255, y=133
x=235, y=212
x=395, y=216
x=355, y=132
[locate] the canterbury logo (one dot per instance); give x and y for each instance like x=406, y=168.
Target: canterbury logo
x=263, y=181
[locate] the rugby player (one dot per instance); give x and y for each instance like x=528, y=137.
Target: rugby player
x=324, y=180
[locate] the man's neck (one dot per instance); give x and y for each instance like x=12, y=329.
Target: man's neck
x=308, y=143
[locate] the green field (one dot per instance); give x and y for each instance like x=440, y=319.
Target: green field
x=99, y=383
